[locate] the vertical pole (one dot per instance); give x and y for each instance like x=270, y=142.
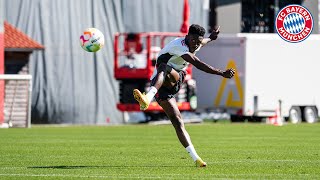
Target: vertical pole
x=280, y=107
x=116, y=51
x=1, y=62
x=276, y=10
x=255, y=105
x=29, y=103
x=149, y=66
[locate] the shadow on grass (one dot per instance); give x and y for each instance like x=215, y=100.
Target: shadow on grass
x=111, y=166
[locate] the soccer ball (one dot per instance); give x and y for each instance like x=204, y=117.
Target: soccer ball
x=92, y=40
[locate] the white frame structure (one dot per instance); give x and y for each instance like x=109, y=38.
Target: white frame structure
x=22, y=77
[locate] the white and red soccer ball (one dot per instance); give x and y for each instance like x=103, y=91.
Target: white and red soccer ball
x=294, y=23
x=92, y=40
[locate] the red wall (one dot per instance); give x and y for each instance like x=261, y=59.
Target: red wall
x=1, y=72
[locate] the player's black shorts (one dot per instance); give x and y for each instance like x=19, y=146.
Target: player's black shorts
x=165, y=93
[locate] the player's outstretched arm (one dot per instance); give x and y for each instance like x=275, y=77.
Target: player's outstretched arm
x=194, y=60
x=213, y=36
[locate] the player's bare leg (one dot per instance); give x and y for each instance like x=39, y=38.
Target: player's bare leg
x=171, y=109
x=173, y=113
x=164, y=74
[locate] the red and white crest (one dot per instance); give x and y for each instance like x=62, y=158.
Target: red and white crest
x=294, y=23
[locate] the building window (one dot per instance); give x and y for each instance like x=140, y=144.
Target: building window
x=258, y=15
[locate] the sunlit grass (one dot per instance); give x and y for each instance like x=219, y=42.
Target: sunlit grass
x=232, y=151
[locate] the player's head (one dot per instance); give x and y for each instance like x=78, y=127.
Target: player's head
x=196, y=29
x=195, y=36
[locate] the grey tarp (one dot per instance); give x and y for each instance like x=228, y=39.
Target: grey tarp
x=162, y=15
x=71, y=85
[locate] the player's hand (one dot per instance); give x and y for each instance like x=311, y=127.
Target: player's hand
x=214, y=34
x=229, y=73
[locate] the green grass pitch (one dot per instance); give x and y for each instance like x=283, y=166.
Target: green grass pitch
x=232, y=151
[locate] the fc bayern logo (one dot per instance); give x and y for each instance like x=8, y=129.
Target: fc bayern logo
x=294, y=23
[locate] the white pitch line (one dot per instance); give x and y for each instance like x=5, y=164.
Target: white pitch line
x=13, y=167
x=156, y=177
x=81, y=176
x=209, y=162
x=262, y=161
